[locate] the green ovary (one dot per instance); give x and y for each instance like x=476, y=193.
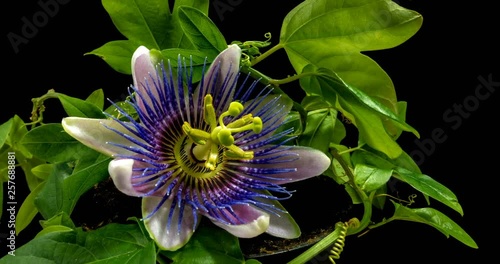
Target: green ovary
x=220, y=134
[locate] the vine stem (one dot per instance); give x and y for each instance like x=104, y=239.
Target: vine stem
x=38, y=107
x=267, y=53
x=327, y=241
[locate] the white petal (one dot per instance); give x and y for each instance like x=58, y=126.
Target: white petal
x=258, y=222
x=168, y=237
x=94, y=134
x=283, y=225
x=144, y=71
x=120, y=171
x=224, y=69
x=307, y=162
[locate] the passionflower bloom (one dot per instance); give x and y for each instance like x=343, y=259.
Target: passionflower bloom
x=209, y=150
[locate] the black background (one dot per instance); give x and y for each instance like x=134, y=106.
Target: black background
x=433, y=71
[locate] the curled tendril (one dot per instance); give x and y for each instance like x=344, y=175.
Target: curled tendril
x=251, y=48
x=338, y=245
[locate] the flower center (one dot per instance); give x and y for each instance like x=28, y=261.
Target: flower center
x=207, y=143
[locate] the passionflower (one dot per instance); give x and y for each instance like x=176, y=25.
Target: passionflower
x=213, y=150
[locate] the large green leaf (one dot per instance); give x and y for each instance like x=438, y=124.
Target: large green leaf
x=333, y=33
x=111, y=244
x=436, y=219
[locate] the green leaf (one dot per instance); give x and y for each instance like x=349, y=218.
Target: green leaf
x=430, y=187
x=149, y=23
x=319, y=130
x=28, y=210
x=88, y=171
x=65, y=185
x=144, y=22
x=97, y=98
x=366, y=114
x=50, y=199
x=17, y=131
x=50, y=143
x=42, y=171
x=436, y=219
x=80, y=108
x=208, y=245
x=347, y=26
x=333, y=33
x=53, y=228
x=113, y=243
x=4, y=131
x=59, y=219
x=118, y=54
x=202, y=32
x=371, y=178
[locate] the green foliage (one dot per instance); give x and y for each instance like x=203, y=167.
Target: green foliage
x=208, y=245
x=114, y=243
x=323, y=41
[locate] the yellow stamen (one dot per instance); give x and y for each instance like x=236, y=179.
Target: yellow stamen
x=221, y=134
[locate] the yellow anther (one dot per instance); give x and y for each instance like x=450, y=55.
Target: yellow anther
x=237, y=153
x=257, y=124
x=198, y=136
x=209, y=111
x=235, y=108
